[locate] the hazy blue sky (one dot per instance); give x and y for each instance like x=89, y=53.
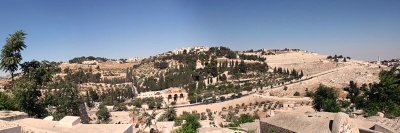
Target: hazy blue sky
x=61, y=29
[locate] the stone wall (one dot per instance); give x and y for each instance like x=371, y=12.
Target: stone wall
x=16, y=129
x=12, y=115
x=269, y=128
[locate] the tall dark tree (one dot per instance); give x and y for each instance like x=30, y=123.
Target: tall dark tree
x=93, y=95
x=242, y=67
x=354, y=94
x=301, y=74
x=68, y=100
x=88, y=100
x=11, y=53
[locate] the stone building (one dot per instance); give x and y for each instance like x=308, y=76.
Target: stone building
x=319, y=122
x=174, y=94
x=90, y=62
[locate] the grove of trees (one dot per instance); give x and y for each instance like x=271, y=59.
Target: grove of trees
x=36, y=78
x=383, y=96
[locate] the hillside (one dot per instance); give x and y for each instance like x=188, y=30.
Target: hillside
x=224, y=71
x=205, y=72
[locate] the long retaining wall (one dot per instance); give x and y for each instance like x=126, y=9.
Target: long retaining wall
x=245, y=99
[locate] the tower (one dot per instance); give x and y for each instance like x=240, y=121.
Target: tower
x=379, y=60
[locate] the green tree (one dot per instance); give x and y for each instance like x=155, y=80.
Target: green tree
x=138, y=103
x=242, y=67
x=191, y=125
x=67, y=100
x=301, y=74
x=6, y=103
x=35, y=76
x=40, y=73
x=120, y=107
x=285, y=88
x=93, y=95
x=102, y=114
x=11, y=53
x=325, y=98
x=27, y=98
x=169, y=115
x=354, y=94
x=385, y=95
x=87, y=100
x=244, y=118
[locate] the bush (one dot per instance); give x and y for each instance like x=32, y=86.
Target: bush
x=385, y=95
x=309, y=94
x=233, y=96
x=137, y=103
x=222, y=98
x=296, y=93
x=5, y=102
x=239, y=94
x=344, y=103
x=244, y=118
x=120, y=107
x=103, y=115
x=161, y=65
x=191, y=125
x=169, y=115
x=325, y=98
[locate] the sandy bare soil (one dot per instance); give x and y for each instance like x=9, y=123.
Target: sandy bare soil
x=310, y=63
x=338, y=78
x=322, y=71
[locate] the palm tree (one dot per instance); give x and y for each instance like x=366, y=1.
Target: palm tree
x=11, y=53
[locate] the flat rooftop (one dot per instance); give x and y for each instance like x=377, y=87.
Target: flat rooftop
x=214, y=130
x=6, y=125
x=298, y=122
x=54, y=126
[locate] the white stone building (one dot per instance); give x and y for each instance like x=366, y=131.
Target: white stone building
x=177, y=95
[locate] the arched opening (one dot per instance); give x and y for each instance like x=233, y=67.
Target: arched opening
x=175, y=97
x=181, y=96
x=169, y=97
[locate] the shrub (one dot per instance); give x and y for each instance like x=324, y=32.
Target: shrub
x=325, y=98
x=120, y=107
x=103, y=115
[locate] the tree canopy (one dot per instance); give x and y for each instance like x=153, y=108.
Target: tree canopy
x=325, y=99
x=11, y=53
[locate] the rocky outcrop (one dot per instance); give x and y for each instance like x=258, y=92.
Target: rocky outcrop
x=343, y=124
